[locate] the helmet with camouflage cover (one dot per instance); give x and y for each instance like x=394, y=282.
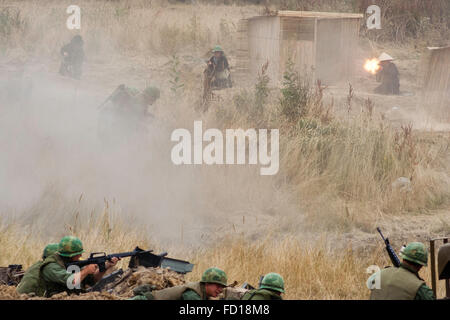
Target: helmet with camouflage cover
x=217, y=49
x=70, y=246
x=273, y=281
x=152, y=92
x=214, y=275
x=50, y=249
x=415, y=252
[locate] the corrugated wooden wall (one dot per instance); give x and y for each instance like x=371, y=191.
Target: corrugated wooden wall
x=264, y=44
x=435, y=79
x=336, y=46
x=324, y=45
x=242, y=67
x=297, y=43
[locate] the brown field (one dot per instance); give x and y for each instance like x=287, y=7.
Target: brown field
x=314, y=222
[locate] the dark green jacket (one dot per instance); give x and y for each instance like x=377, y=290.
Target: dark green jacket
x=39, y=278
x=261, y=294
x=30, y=281
x=189, y=291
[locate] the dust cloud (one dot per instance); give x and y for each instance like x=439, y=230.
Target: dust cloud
x=55, y=166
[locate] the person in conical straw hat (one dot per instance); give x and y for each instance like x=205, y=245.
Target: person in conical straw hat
x=388, y=75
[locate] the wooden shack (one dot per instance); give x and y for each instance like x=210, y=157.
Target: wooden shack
x=320, y=43
x=434, y=80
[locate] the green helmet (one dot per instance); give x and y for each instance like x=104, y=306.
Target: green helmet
x=70, y=246
x=272, y=281
x=49, y=250
x=215, y=275
x=217, y=49
x=415, y=252
x=152, y=92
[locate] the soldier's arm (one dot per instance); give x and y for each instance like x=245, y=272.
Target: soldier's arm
x=424, y=293
x=56, y=274
x=190, y=295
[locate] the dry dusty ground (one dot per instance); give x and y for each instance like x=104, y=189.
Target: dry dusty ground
x=250, y=215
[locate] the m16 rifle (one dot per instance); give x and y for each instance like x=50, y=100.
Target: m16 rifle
x=100, y=258
x=392, y=255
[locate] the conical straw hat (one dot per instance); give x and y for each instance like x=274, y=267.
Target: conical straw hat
x=385, y=57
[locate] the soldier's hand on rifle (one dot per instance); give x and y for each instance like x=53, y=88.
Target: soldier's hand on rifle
x=111, y=263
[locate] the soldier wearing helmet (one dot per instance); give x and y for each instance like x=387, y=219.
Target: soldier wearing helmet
x=270, y=288
x=403, y=283
x=73, y=57
x=388, y=76
x=28, y=283
x=126, y=111
x=219, y=68
x=213, y=281
x=52, y=276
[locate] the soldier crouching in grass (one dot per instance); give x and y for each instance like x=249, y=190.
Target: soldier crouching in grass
x=403, y=283
x=213, y=281
x=52, y=277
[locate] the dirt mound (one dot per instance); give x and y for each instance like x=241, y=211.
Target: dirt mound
x=8, y=293
x=158, y=278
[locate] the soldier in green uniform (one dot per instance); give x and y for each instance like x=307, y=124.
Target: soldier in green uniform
x=126, y=111
x=219, y=69
x=271, y=288
x=403, y=283
x=52, y=277
x=213, y=281
x=27, y=284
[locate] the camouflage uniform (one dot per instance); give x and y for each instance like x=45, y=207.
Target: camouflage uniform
x=189, y=291
x=271, y=285
x=73, y=57
x=403, y=283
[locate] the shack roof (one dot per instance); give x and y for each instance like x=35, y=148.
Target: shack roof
x=313, y=14
x=438, y=48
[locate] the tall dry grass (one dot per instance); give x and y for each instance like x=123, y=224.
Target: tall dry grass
x=112, y=28
x=339, y=170
x=310, y=270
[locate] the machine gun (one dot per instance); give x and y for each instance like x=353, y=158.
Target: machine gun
x=148, y=259
x=392, y=255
